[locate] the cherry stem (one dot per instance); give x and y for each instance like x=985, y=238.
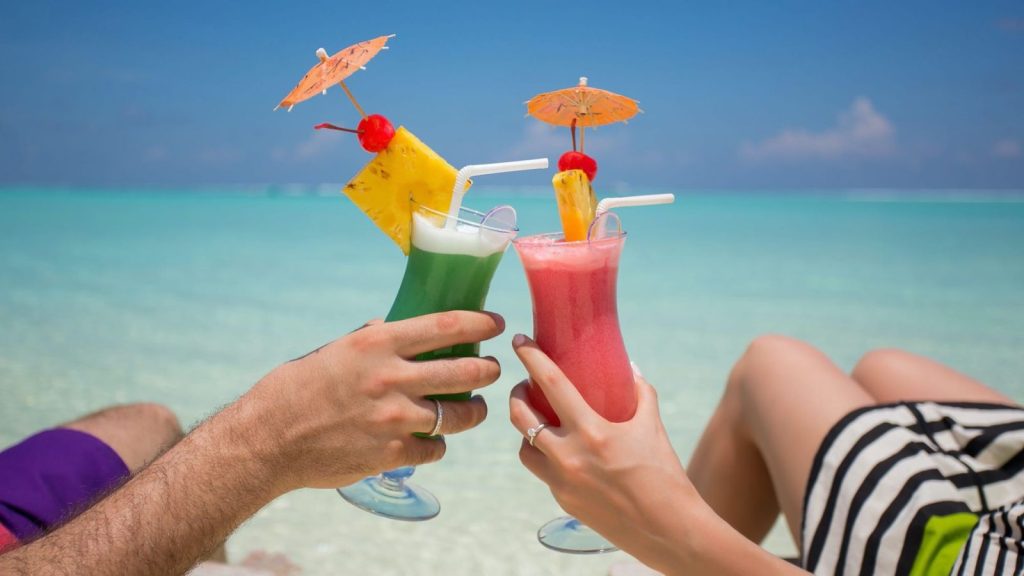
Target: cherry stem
x=333, y=127
x=572, y=128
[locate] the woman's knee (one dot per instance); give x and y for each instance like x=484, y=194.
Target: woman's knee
x=766, y=353
x=873, y=366
x=770, y=350
x=772, y=345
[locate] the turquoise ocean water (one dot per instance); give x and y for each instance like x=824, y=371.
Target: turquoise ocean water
x=187, y=297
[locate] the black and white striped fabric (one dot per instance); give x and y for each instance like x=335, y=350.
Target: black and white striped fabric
x=994, y=546
x=883, y=471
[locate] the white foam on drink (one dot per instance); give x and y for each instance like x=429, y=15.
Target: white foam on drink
x=463, y=239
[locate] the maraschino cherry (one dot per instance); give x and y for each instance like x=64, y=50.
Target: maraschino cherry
x=573, y=160
x=375, y=132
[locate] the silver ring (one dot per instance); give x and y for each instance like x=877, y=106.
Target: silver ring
x=531, y=434
x=440, y=418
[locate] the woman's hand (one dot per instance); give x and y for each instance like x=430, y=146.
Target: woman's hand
x=624, y=479
x=350, y=408
x=617, y=478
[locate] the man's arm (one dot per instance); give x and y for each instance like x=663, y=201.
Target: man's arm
x=342, y=412
x=172, y=513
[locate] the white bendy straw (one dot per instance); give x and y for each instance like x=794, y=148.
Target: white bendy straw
x=474, y=170
x=644, y=200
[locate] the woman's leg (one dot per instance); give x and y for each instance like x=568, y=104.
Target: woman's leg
x=754, y=457
x=892, y=375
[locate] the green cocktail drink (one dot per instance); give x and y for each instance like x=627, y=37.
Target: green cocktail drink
x=436, y=282
x=450, y=267
x=440, y=281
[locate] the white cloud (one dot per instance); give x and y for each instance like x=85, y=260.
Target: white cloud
x=1007, y=148
x=1012, y=24
x=220, y=155
x=860, y=131
x=671, y=158
x=154, y=153
x=317, y=145
x=540, y=139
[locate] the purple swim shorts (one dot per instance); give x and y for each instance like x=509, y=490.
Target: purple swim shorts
x=52, y=475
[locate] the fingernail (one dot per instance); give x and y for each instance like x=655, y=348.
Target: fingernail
x=636, y=370
x=498, y=319
x=518, y=340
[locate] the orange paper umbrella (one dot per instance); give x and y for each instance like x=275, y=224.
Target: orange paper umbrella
x=587, y=106
x=334, y=70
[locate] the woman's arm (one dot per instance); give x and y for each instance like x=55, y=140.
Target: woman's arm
x=625, y=481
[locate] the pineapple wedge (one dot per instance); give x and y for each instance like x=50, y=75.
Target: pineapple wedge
x=406, y=170
x=577, y=203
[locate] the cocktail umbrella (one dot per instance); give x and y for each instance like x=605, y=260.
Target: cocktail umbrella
x=581, y=106
x=333, y=70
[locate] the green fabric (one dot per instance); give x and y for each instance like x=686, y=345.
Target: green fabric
x=944, y=536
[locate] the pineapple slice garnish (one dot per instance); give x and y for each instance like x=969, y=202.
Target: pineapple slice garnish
x=577, y=203
x=407, y=170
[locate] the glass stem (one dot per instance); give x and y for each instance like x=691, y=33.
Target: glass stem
x=395, y=479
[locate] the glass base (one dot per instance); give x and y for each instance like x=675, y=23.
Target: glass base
x=567, y=534
x=391, y=496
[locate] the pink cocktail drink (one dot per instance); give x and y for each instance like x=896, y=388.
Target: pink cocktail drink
x=576, y=321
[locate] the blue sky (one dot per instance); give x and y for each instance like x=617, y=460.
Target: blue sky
x=735, y=94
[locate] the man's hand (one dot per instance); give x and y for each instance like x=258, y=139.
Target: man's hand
x=350, y=408
x=327, y=419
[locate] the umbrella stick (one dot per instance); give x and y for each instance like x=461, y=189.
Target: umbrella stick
x=583, y=130
x=352, y=98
